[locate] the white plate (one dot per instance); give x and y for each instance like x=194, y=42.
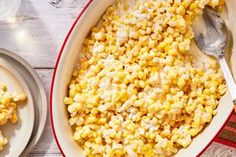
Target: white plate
x=31, y=79
x=18, y=134
x=67, y=60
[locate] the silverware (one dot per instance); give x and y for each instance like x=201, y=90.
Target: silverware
x=214, y=42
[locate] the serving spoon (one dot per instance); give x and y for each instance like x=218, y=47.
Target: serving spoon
x=214, y=42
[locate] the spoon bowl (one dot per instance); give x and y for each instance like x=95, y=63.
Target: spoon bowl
x=215, y=38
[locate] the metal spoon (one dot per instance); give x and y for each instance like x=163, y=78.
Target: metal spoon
x=214, y=42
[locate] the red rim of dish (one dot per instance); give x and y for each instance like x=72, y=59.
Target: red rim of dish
x=54, y=74
x=55, y=70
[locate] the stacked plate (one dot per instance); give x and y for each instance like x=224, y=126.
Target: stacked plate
x=20, y=77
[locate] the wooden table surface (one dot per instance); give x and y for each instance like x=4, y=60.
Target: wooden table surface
x=36, y=34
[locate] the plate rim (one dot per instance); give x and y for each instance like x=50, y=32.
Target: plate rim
x=43, y=116
x=26, y=90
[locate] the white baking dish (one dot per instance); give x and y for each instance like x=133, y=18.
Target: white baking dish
x=65, y=64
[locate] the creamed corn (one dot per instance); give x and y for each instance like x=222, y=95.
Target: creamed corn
x=139, y=91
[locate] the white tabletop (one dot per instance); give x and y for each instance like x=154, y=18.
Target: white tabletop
x=36, y=34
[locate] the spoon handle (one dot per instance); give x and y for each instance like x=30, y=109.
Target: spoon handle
x=228, y=77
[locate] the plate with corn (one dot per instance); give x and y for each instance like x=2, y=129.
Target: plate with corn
x=23, y=106
x=16, y=111
x=129, y=81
